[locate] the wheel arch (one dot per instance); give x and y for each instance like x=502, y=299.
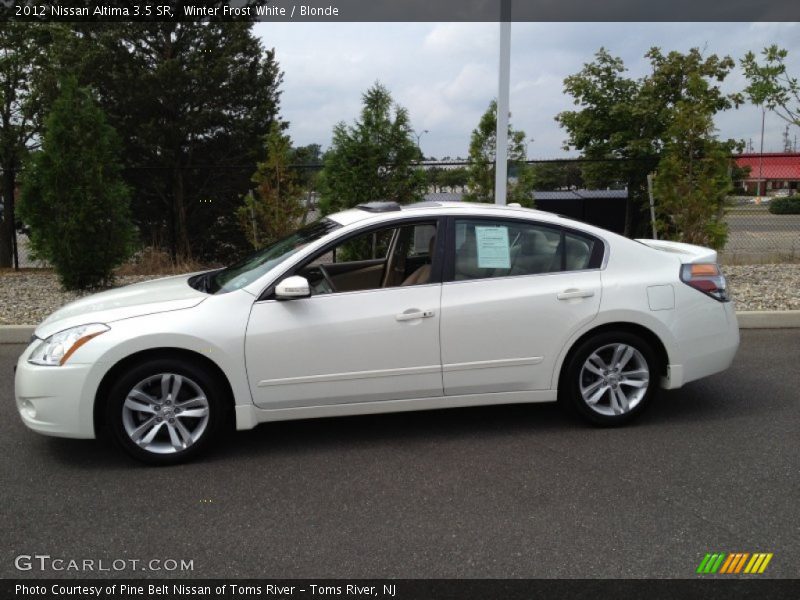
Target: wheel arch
x=107, y=382
x=645, y=333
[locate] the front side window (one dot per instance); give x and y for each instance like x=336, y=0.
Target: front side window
x=495, y=248
x=254, y=266
x=395, y=256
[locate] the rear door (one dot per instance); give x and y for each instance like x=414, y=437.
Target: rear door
x=514, y=292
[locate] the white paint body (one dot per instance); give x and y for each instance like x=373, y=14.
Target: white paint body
x=489, y=341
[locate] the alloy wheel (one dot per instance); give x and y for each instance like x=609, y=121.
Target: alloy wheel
x=165, y=413
x=614, y=379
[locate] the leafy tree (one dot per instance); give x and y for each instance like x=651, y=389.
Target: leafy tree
x=433, y=178
x=276, y=209
x=557, y=175
x=454, y=178
x=23, y=56
x=373, y=159
x=771, y=86
x=192, y=102
x=482, y=153
x=694, y=173
x=627, y=120
x=74, y=199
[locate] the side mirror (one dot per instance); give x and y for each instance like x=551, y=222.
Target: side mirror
x=292, y=287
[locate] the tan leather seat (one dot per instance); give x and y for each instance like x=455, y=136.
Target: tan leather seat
x=423, y=273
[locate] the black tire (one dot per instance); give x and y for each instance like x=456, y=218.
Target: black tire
x=191, y=378
x=575, y=379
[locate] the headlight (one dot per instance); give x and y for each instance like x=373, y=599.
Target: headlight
x=55, y=350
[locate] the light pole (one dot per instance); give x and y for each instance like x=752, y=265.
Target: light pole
x=503, y=83
x=419, y=135
x=761, y=155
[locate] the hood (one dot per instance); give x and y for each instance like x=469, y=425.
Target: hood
x=687, y=253
x=138, y=299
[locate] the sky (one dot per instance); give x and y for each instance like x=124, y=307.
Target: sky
x=445, y=74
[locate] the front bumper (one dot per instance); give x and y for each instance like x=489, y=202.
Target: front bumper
x=51, y=400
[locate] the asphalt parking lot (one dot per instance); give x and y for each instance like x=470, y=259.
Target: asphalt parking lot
x=516, y=491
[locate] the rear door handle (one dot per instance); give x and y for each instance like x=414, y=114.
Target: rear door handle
x=414, y=313
x=574, y=293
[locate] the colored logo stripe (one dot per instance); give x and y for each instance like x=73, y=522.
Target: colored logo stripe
x=734, y=562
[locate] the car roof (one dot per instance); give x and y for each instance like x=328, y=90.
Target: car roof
x=381, y=211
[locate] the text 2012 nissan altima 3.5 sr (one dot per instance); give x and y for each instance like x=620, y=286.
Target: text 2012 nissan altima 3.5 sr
x=383, y=308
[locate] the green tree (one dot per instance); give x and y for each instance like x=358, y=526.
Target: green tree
x=454, y=179
x=771, y=86
x=23, y=56
x=556, y=175
x=276, y=209
x=694, y=173
x=481, y=170
x=192, y=103
x=74, y=199
x=373, y=159
x=627, y=120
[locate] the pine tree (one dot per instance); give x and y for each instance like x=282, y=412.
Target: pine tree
x=482, y=152
x=373, y=159
x=276, y=209
x=73, y=196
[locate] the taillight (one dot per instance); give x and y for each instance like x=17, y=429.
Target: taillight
x=706, y=277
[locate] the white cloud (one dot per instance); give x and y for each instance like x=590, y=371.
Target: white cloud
x=446, y=73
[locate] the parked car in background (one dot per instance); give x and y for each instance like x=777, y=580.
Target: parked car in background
x=383, y=308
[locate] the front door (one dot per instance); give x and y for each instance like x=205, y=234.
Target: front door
x=375, y=339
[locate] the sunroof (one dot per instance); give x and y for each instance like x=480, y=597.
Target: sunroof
x=379, y=206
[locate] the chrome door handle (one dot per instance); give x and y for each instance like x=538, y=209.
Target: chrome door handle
x=413, y=314
x=573, y=293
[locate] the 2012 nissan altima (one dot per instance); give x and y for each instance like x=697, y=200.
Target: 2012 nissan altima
x=383, y=308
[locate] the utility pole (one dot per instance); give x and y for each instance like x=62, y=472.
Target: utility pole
x=504, y=82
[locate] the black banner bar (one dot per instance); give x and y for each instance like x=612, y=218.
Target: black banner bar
x=706, y=588
x=402, y=10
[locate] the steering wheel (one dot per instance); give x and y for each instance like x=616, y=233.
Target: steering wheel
x=328, y=281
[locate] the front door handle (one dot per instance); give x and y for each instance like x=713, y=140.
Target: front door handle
x=414, y=313
x=575, y=293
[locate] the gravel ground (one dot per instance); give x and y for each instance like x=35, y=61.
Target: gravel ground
x=29, y=296
x=764, y=287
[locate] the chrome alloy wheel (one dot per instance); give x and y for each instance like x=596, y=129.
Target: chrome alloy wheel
x=614, y=379
x=165, y=413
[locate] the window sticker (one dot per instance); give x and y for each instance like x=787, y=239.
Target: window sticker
x=493, y=250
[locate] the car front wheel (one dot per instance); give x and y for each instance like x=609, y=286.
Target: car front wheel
x=611, y=378
x=165, y=411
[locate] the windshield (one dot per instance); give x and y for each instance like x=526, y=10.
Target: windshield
x=254, y=266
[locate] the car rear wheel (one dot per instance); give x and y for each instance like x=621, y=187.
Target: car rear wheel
x=165, y=411
x=611, y=378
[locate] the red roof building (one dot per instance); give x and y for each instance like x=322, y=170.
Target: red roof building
x=774, y=171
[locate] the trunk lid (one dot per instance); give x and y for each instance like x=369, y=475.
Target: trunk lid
x=687, y=253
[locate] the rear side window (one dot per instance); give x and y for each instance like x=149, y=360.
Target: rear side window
x=496, y=248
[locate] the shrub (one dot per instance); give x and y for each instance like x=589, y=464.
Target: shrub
x=73, y=197
x=785, y=206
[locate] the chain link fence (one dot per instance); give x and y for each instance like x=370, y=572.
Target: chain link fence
x=762, y=213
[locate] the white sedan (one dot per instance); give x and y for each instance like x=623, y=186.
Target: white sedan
x=383, y=308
